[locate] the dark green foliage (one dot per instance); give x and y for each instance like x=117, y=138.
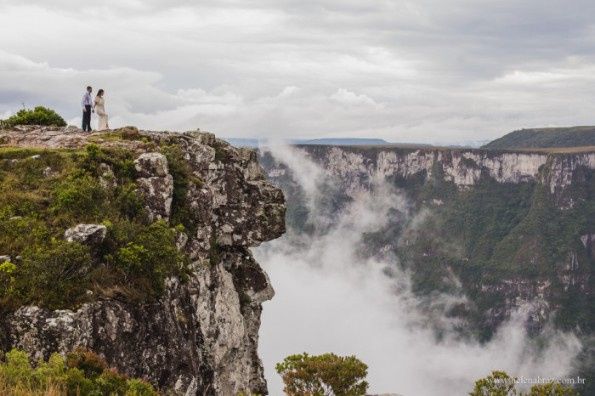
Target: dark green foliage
x=326, y=374
x=37, y=206
x=497, y=232
x=499, y=383
x=52, y=273
x=180, y=169
x=38, y=116
x=79, y=195
x=88, y=362
x=214, y=252
x=145, y=255
x=125, y=133
x=545, y=137
x=220, y=153
x=82, y=372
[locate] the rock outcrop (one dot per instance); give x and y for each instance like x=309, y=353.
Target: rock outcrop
x=200, y=337
x=155, y=184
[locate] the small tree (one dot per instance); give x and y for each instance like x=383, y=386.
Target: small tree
x=38, y=116
x=496, y=384
x=501, y=384
x=323, y=375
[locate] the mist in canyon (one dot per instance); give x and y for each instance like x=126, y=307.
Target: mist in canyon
x=330, y=297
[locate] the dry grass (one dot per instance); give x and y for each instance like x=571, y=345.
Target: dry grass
x=23, y=390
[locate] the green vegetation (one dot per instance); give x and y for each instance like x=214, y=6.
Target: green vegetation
x=497, y=232
x=323, y=375
x=38, y=116
x=501, y=384
x=45, y=192
x=545, y=137
x=81, y=373
x=124, y=133
x=183, y=179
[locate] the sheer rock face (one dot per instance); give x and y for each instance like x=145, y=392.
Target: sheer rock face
x=201, y=337
x=464, y=167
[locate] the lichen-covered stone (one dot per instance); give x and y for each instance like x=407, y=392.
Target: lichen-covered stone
x=90, y=234
x=155, y=184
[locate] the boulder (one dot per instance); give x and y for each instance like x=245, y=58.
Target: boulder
x=89, y=234
x=151, y=165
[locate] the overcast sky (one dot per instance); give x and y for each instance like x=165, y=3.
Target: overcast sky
x=424, y=70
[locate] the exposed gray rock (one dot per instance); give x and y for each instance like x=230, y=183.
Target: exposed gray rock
x=151, y=165
x=4, y=258
x=155, y=184
x=90, y=234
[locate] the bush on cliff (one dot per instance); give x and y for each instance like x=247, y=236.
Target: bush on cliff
x=82, y=372
x=38, y=116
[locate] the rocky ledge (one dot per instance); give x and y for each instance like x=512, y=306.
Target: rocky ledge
x=200, y=337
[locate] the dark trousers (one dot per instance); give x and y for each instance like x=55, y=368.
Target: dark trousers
x=87, y=118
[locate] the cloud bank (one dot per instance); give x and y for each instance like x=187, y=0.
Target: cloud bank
x=330, y=299
x=425, y=71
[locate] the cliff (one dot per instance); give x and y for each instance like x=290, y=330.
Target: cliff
x=514, y=228
x=136, y=246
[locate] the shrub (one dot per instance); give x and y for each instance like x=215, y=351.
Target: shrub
x=500, y=383
x=91, y=364
x=326, y=374
x=147, y=254
x=54, y=274
x=81, y=373
x=79, y=195
x=38, y=116
x=183, y=179
x=6, y=277
x=137, y=387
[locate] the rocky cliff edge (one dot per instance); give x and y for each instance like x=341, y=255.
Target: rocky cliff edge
x=200, y=336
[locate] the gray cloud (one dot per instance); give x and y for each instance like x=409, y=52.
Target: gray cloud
x=438, y=71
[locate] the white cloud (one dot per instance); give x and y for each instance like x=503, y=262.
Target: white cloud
x=351, y=98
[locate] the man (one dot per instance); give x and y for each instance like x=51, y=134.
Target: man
x=87, y=104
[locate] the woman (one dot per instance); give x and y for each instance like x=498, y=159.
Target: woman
x=100, y=110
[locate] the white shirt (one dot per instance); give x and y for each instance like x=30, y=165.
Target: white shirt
x=87, y=101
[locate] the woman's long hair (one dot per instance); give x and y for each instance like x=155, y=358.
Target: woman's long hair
x=100, y=92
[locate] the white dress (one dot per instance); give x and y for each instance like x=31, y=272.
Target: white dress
x=102, y=115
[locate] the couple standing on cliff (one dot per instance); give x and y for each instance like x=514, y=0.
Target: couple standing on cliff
x=91, y=106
